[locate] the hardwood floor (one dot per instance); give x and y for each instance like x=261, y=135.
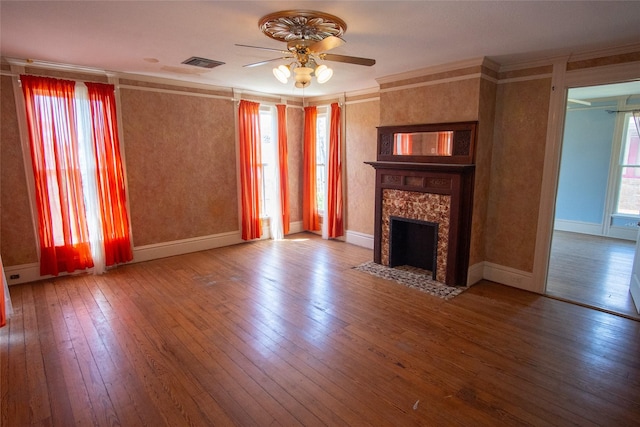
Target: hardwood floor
x=592, y=270
x=288, y=333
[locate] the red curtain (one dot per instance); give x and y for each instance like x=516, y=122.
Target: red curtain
x=335, y=221
x=310, y=217
x=53, y=139
x=284, y=166
x=445, y=141
x=250, y=168
x=110, y=175
x=403, y=144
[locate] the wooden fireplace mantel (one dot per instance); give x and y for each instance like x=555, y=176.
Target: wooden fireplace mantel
x=445, y=175
x=453, y=180
x=441, y=167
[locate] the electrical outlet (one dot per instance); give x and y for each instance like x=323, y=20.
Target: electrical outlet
x=14, y=276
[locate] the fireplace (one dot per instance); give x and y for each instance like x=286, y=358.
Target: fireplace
x=413, y=243
x=424, y=204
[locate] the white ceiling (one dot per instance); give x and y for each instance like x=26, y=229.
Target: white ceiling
x=129, y=36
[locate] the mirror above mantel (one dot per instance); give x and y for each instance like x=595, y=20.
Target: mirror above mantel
x=423, y=143
x=444, y=143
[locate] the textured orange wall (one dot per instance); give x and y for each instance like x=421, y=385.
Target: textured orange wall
x=516, y=173
x=484, y=149
x=181, y=165
x=436, y=103
x=17, y=236
x=360, y=141
x=295, y=119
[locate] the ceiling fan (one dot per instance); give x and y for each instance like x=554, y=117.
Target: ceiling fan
x=309, y=35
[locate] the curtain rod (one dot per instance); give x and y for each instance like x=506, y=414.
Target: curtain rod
x=634, y=110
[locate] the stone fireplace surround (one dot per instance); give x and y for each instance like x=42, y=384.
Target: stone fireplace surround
x=437, y=190
x=420, y=206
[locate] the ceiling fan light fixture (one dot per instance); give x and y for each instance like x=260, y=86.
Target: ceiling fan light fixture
x=323, y=73
x=308, y=34
x=302, y=76
x=282, y=73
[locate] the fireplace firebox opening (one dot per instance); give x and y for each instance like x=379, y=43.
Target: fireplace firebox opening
x=413, y=243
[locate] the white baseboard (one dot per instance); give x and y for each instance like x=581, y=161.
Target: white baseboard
x=508, y=276
x=483, y=270
x=475, y=273
x=616, y=232
x=359, y=239
x=179, y=247
x=31, y=272
x=578, y=227
x=23, y=273
x=625, y=233
x=295, y=227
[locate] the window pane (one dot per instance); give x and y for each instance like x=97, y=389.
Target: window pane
x=629, y=191
x=321, y=152
x=629, y=196
x=268, y=163
x=631, y=143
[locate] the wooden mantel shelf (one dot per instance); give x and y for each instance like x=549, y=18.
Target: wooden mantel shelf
x=436, y=167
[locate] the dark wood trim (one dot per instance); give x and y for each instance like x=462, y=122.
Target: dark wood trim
x=464, y=137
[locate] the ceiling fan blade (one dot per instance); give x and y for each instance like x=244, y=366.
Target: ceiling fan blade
x=326, y=44
x=348, y=59
x=256, y=64
x=263, y=48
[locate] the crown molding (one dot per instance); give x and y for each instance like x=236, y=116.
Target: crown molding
x=172, y=82
x=58, y=66
x=573, y=57
x=363, y=92
x=524, y=65
x=443, y=68
x=599, y=53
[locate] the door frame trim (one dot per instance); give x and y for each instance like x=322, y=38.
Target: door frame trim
x=634, y=288
x=561, y=81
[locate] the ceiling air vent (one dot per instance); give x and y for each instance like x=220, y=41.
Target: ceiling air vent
x=202, y=62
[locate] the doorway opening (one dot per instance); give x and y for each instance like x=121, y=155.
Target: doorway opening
x=597, y=206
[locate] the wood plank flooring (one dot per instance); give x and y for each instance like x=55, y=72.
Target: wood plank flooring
x=288, y=333
x=592, y=270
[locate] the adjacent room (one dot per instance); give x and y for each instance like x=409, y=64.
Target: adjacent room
x=597, y=206
x=338, y=213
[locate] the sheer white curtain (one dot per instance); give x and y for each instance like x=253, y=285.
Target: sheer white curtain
x=88, y=170
x=275, y=208
x=275, y=218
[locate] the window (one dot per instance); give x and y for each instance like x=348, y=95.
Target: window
x=628, y=197
x=268, y=149
x=78, y=175
x=322, y=124
x=86, y=169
